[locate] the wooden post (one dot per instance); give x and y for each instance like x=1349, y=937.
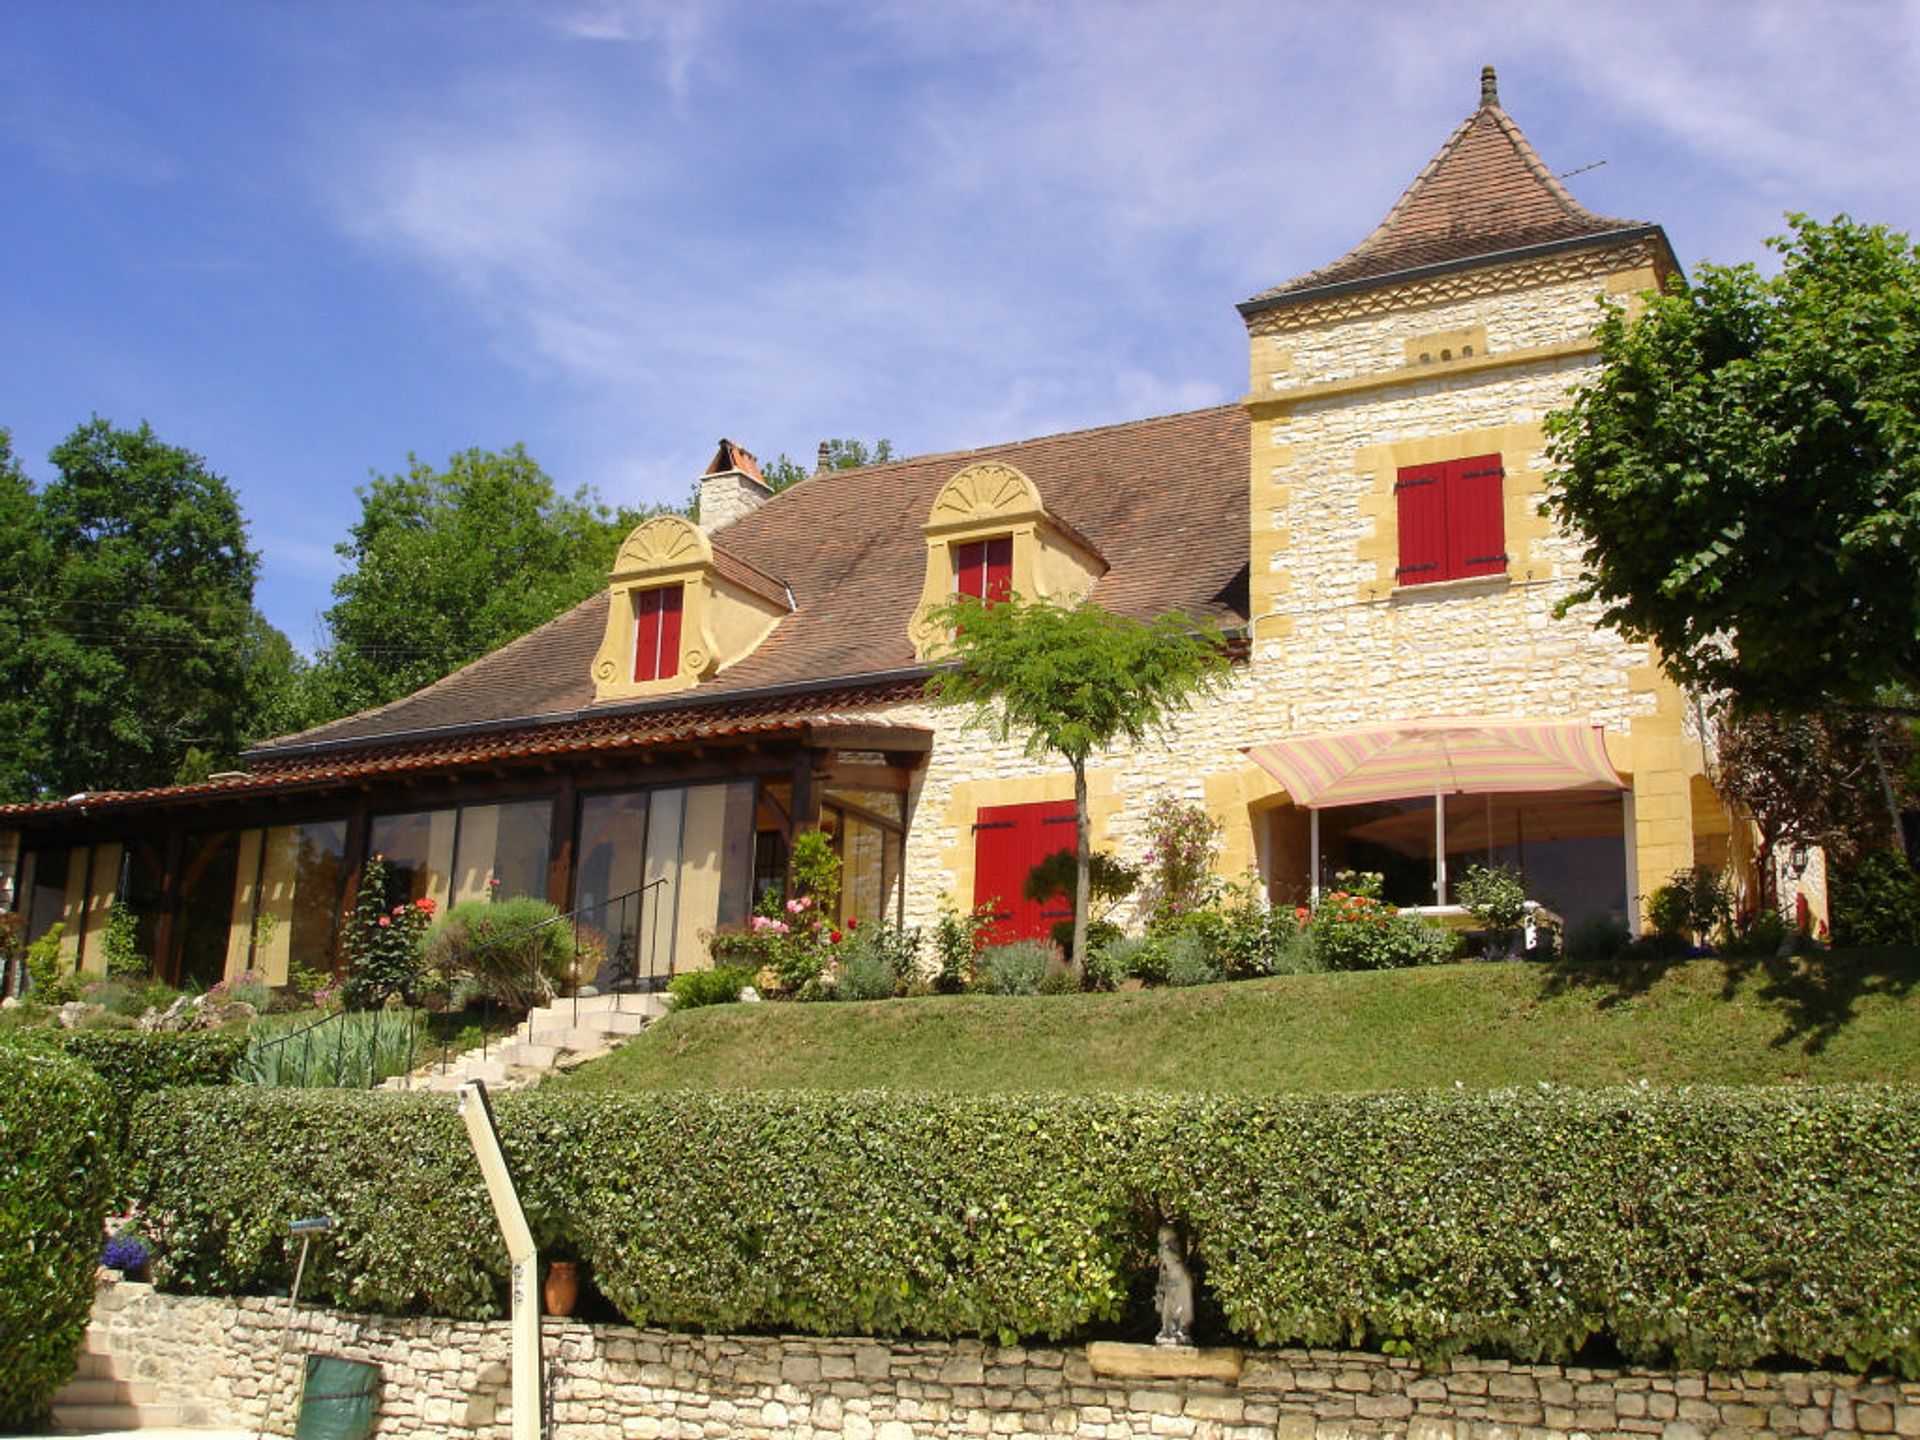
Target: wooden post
x=566, y=809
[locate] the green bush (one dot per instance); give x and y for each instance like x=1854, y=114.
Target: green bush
x=519, y=951
x=1353, y=930
x=135, y=1064
x=1015, y=969
x=1876, y=901
x=1190, y=960
x=1707, y=1227
x=55, y=1179
x=719, y=986
x=865, y=974
x=1596, y=939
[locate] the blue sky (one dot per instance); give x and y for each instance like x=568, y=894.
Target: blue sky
x=306, y=239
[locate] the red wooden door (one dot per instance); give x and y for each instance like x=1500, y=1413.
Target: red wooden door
x=1008, y=841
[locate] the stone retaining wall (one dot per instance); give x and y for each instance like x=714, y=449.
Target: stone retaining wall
x=609, y=1382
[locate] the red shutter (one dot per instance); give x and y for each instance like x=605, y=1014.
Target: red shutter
x=1476, y=520
x=656, y=624
x=999, y=569
x=1420, y=493
x=1008, y=841
x=984, y=568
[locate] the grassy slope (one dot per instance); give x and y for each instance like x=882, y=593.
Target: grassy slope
x=1847, y=1018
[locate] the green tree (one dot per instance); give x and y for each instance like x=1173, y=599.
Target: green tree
x=1746, y=472
x=447, y=565
x=128, y=637
x=1070, y=680
x=836, y=455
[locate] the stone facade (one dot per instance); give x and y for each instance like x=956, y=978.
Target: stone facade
x=446, y=1379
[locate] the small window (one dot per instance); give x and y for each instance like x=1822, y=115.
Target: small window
x=1452, y=524
x=656, y=624
x=984, y=568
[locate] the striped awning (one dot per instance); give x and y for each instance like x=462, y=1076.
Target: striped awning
x=1439, y=757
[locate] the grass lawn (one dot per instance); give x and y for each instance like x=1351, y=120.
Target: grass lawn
x=1852, y=1016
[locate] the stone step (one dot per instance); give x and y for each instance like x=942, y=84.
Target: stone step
x=98, y=1391
x=99, y=1365
x=90, y=1418
x=530, y=1055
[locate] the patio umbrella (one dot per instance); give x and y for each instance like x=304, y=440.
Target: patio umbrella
x=1438, y=757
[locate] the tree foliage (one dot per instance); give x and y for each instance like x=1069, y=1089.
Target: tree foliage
x=130, y=651
x=447, y=565
x=837, y=455
x=1746, y=471
x=1068, y=680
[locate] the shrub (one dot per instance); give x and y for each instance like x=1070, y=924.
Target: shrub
x=120, y=944
x=1494, y=896
x=866, y=974
x=381, y=944
x=1253, y=938
x=1597, y=939
x=719, y=986
x=1015, y=969
x=249, y=987
x=1190, y=960
x=1106, y=963
x=134, y=1063
x=46, y=983
x=1109, y=881
x=54, y=1185
x=956, y=944
x=1693, y=903
x=1353, y=930
x=1523, y=1223
x=518, y=951
x=1181, y=840
x=1876, y=901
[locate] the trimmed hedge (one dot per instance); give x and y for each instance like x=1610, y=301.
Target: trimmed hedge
x=1705, y=1226
x=134, y=1064
x=53, y=1198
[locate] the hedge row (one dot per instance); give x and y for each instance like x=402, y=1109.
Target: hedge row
x=1707, y=1227
x=134, y=1064
x=53, y=1197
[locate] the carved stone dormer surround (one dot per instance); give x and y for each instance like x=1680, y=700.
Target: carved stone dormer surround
x=727, y=607
x=984, y=501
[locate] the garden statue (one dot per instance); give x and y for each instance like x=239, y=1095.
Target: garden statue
x=1173, y=1294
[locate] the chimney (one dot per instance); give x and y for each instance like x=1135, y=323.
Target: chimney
x=731, y=487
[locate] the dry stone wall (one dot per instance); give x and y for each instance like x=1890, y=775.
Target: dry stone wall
x=446, y=1379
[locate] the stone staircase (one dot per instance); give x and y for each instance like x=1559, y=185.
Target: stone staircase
x=103, y=1394
x=554, y=1037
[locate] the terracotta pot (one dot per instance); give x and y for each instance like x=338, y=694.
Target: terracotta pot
x=562, y=1290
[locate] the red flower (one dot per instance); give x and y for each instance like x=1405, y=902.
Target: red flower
x=385, y=922
x=400, y=909
x=424, y=904
x=1302, y=914
x=853, y=922
x=834, y=935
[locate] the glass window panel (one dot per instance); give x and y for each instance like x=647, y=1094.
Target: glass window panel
x=737, y=864
x=207, y=887
x=301, y=891
x=1391, y=838
x=47, y=895
x=660, y=901
x=888, y=804
x=607, y=879
x=418, y=851
x=702, y=861
x=863, y=884
x=1569, y=846
x=509, y=843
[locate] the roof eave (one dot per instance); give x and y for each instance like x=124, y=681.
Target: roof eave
x=1261, y=304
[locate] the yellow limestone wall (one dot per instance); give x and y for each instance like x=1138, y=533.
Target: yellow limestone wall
x=1341, y=399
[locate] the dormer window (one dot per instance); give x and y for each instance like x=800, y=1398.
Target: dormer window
x=989, y=536
x=656, y=626
x=680, y=608
x=983, y=569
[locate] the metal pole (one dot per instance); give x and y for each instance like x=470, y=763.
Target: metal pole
x=306, y=1230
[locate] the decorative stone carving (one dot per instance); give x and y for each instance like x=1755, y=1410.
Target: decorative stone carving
x=989, y=490
x=666, y=542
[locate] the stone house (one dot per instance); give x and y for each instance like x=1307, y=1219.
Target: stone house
x=1364, y=524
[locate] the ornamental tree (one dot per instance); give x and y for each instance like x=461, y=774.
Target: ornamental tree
x=1746, y=471
x=1069, y=680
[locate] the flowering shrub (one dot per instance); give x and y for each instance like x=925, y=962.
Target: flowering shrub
x=518, y=952
x=1354, y=929
x=382, y=943
x=1181, y=840
x=125, y=1253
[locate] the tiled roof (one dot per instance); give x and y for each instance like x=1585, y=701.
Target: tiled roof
x=1487, y=193
x=817, y=714
x=1162, y=500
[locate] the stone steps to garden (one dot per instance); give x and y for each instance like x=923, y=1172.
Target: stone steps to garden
x=103, y=1396
x=552, y=1038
